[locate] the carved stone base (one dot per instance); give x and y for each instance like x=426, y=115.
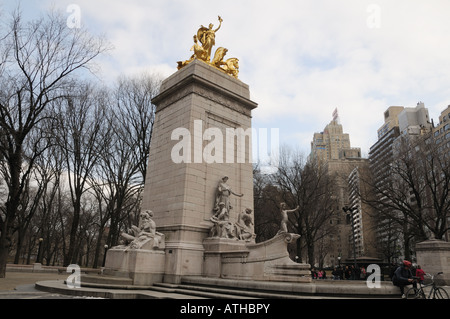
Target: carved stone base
x=269, y=261
x=144, y=267
x=434, y=256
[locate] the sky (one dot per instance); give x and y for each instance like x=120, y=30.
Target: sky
x=301, y=58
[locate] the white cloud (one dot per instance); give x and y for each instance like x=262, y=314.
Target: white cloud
x=301, y=58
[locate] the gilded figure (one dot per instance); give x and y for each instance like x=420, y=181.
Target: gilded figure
x=207, y=38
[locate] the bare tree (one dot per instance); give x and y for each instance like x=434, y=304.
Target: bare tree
x=415, y=192
x=81, y=135
x=38, y=60
x=305, y=184
x=126, y=165
x=266, y=206
x=136, y=114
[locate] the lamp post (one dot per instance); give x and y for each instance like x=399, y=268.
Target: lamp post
x=349, y=212
x=339, y=260
x=38, y=258
x=104, y=255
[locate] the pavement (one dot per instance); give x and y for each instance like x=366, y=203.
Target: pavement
x=17, y=287
x=22, y=285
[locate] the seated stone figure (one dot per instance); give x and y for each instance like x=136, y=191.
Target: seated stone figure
x=143, y=236
x=222, y=227
x=243, y=225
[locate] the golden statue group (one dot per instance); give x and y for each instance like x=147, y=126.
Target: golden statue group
x=207, y=38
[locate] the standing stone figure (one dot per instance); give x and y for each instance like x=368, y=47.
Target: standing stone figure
x=223, y=195
x=284, y=217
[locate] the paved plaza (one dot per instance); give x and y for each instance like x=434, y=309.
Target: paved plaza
x=21, y=285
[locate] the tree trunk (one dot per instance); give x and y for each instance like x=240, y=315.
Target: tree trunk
x=70, y=257
x=19, y=247
x=97, y=247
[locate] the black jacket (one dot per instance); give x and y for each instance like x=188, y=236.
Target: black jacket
x=401, y=275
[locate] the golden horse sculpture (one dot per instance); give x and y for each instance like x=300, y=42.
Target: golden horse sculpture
x=207, y=38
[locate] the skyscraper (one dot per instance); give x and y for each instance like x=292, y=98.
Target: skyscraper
x=332, y=143
x=398, y=121
x=441, y=132
x=332, y=148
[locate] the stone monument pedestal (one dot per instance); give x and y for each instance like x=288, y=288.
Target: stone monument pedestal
x=434, y=256
x=183, y=171
x=144, y=267
x=267, y=261
x=142, y=260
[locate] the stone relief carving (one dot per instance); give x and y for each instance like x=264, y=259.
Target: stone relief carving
x=224, y=192
x=143, y=236
x=222, y=226
x=243, y=225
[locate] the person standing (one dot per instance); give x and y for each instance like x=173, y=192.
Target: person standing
x=335, y=274
x=362, y=274
x=347, y=273
x=314, y=274
x=420, y=273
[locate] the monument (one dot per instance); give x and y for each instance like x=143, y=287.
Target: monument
x=199, y=182
x=434, y=256
x=142, y=256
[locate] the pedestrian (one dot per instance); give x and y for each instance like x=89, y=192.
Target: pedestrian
x=420, y=273
x=324, y=274
x=347, y=273
x=335, y=274
x=362, y=273
x=320, y=274
x=313, y=273
x=340, y=273
x=403, y=277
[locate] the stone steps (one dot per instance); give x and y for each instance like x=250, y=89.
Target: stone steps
x=217, y=292
x=101, y=279
x=270, y=289
x=199, y=291
x=194, y=287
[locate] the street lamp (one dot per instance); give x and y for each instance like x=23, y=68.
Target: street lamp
x=38, y=258
x=349, y=212
x=104, y=255
x=339, y=260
